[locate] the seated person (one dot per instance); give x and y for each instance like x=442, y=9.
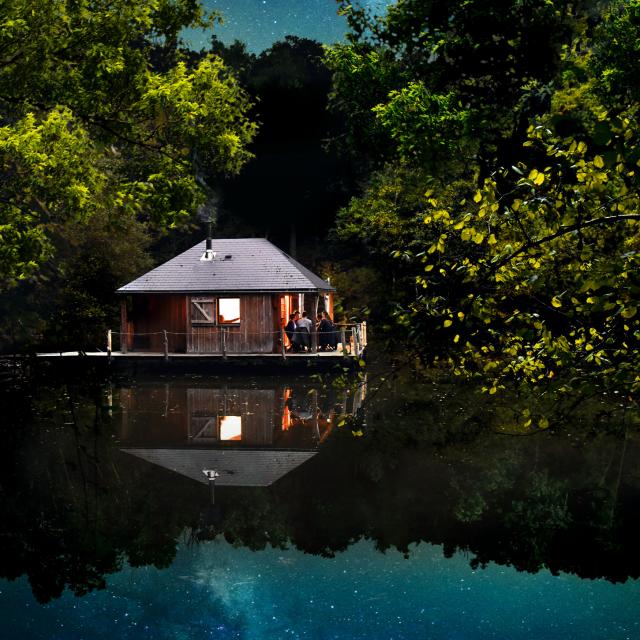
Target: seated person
x=304, y=331
x=327, y=335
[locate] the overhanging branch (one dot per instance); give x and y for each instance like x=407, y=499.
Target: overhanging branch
x=562, y=231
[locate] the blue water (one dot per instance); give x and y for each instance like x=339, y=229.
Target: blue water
x=214, y=590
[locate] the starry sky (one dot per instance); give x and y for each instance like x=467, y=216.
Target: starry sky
x=260, y=23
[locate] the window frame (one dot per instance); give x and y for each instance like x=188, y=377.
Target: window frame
x=201, y=300
x=214, y=301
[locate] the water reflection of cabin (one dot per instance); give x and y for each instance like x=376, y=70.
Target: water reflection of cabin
x=220, y=296
x=250, y=436
x=281, y=416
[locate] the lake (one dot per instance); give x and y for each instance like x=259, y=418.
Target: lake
x=373, y=508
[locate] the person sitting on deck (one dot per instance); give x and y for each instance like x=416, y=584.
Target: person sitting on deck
x=327, y=339
x=304, y=331
x=292, y=333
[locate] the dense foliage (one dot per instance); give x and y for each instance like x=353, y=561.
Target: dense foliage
x=503, y=195
x=89, y=125
x=106, y=133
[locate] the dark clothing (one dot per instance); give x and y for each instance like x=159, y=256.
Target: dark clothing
x=292, y=333
x=327, y=338
x=304, y=338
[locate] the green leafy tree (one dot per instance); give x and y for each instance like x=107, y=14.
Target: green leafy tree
x=88, y=125
x=427, y=74
x=524, y=270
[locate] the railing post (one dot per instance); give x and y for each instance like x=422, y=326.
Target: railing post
x=166, y=344
x=343, y=340
x=284, y=351
x=109, y=344
x=224, y=342
x=124, y=340
x=354, y=342
x=314, y=340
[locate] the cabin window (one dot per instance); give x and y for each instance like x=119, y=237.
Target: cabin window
x=229, y=311
x=203, y=311
x=230, y=427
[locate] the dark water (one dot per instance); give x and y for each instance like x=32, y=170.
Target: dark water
x=337, y=512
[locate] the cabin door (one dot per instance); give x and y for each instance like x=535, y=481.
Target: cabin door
x=287, y=306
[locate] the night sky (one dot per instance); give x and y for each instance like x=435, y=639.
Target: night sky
x=259, y=23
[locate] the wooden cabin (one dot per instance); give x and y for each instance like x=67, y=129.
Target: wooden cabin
x=220, y=296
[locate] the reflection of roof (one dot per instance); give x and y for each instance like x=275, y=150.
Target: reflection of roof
x=237, y=468
x=240, y=265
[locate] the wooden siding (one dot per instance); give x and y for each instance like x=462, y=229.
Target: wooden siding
x=256, y=407
x=178, y=416
x=155, y=414
x=150, y=315
x=256, y=333
x=145, y=318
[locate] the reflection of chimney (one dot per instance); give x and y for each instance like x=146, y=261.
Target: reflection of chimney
x=212, y=517
x=211, y=474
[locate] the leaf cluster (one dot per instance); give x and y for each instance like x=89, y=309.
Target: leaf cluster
x=88, y=123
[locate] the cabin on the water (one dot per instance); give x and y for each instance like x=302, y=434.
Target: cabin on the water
x=221, y=296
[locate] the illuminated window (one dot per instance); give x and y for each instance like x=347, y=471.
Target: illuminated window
x=229, y=311
x=230, y=427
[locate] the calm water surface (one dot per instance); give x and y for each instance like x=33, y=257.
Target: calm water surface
x=336, y=513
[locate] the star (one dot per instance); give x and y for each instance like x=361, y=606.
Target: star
x=320, y=21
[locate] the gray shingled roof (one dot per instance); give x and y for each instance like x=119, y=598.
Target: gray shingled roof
x=255, y=265
x=237, y=468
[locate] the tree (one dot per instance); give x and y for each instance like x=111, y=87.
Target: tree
x=87, y=125
x=430, y=73
x=522, y=268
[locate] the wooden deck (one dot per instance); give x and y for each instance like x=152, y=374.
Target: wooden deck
x=193, y=356
x=134, y=361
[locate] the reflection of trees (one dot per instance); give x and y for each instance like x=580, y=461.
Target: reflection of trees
x=75, y=509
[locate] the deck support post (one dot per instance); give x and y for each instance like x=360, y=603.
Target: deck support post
x=166, y=344
x=314, y=330
x=343, y=340
x=124, y=333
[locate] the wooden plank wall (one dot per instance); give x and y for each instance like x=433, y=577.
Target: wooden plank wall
x=151, y=314
x=257, y=407
x=256, y=333
x=173, y=416
x=154, y=416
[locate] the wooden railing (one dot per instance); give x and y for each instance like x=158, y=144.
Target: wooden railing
x=349, y=340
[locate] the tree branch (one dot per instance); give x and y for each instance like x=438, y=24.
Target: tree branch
x=564, y=230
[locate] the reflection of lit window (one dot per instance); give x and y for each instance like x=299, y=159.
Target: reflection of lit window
x=286, y=413
x=230, y=427
x=229, y=310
